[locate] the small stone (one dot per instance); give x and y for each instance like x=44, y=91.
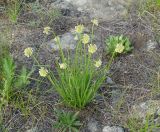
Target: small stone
x=93, y=126
x=151, y=45
x=110, y=81
x=34, y=129
x=157, y=120
x=66, y=40
x=115, y=95
x=99, y=97
x=113, y=129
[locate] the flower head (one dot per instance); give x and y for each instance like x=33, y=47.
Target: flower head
x=43, y=72
x=119, y=48
x=46, y=30
x=62, y=65
x=57, y=39
x=95, y=22
x=98, y=63
x=85, y=39
x=79, y=28
x=92, y=48
x=28, y=52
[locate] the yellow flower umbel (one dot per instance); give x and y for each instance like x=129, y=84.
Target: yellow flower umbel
x=119, y=48
x=79, y=28
x=92, y=48
x=98, y=63
x=43, y=72
x=85, y=39
x=46, y=30
x=28, y=52
x=95, y=22
x=62, y=65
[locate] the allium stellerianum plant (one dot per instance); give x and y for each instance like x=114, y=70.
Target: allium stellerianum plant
x=79, y=76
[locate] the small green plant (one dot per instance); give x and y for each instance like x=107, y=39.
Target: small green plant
x=113, y=41
x=67, y=121
x=34, y=23
x=8, y=71
x=13, y=10
x=23, y=78
x=10, y=82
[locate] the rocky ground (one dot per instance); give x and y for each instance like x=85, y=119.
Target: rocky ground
x=127, y=92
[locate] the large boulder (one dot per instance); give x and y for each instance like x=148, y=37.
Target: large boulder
x=103, y=9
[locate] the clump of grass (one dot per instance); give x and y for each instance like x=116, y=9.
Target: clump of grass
x=147, y=125
x=42, y=13
x=13, y=10
x=149, y=6
x=148, y=11
x=67, y=121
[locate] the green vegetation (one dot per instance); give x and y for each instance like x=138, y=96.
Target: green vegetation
x=41, y=13
x=79, y=78
x=140, y=125
x=67, y=121
x=13, y=10
x=10, y=81
x=76, y=78
x=149, y=11
x=113, y=41
x=150, y=6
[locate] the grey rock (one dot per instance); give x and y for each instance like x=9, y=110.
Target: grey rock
x=157, y=120
x=67, y=9
x=151, y=45
x=156, y=130
x=103, y=9
x=115, y=95
x=67, y=42
x=110, y=81
x=143, y=109
x=34, y=129
x=93, y=126
x=113, y=129
x=99, y=97
x=60, y=4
